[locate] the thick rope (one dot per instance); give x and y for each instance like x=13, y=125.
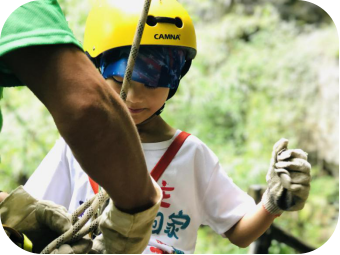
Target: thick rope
x=78, y=231
x=75, y=232
x=81, y=209
x=134, y=50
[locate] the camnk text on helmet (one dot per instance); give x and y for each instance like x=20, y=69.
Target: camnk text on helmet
x=167, y=37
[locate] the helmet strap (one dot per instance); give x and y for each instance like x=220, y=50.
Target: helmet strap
x=160, y=110
x=185, y=68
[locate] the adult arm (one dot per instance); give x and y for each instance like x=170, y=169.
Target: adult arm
x=91, y=118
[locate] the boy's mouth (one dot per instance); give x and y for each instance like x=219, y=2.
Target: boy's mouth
x=136, y=110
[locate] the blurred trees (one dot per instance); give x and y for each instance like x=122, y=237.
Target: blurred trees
x=264, y=70
x=261, y=74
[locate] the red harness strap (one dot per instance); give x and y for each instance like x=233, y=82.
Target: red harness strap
x=168, y=156
x=94, y=185
x=162, y=164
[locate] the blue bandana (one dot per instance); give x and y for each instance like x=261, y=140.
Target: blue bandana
x=155, y=66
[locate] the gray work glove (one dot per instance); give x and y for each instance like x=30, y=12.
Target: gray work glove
x=41, y=221
x=123, y=232
x=288, y=179
x=83, y=246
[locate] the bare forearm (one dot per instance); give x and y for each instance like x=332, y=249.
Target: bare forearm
x=91, y=118
x=250, y=227
x=108, y=149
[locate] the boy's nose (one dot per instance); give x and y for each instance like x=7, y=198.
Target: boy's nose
x=135, y=92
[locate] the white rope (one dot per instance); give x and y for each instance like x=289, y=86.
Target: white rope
x=81, y=209
x=134, y=50
x=77, y=231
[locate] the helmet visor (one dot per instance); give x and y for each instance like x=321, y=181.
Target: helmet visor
x=154, y=67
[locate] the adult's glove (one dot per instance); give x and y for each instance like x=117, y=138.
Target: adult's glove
x=41, y=221
x=83, y=246
x=288, y=179
x=123, y=232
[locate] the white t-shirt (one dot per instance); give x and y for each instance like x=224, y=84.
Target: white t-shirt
x=196, y=191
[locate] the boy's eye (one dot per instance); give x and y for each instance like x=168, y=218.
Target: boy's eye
x=116, y=80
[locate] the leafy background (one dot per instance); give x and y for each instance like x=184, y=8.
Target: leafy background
x=264, y=70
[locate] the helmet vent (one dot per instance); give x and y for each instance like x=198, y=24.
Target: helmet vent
x=178, y=22
x=152, y=21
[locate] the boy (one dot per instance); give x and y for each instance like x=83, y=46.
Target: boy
x=195, y=188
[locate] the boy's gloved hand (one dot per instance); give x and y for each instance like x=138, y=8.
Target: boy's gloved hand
x=288, y=179
x=41, y=221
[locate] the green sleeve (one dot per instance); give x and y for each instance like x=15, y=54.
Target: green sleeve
x=39, y=22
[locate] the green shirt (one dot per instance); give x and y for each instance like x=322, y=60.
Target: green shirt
x=39, y=22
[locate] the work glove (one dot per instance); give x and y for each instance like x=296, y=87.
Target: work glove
x=83, y=246
x=288, y=179
x=41, y=221
x=125, y=233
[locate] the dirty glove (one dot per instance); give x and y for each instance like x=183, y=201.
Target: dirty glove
x=41, y=221
x=288, y=179
x=123, y=232
x=83, y=246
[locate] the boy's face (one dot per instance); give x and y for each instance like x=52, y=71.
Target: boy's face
x=142, y=101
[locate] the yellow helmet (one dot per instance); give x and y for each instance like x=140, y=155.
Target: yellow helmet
x=112, y=24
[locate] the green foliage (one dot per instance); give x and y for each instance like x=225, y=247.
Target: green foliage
x=27, y=136
x=76, y=12
x=280, y=248
x=209, y=243
x=1, y=90
x=259, y=75
x=255, y=80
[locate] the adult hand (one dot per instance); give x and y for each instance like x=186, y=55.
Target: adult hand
x=288, y=179
x=83, y=246
x=123, y=232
